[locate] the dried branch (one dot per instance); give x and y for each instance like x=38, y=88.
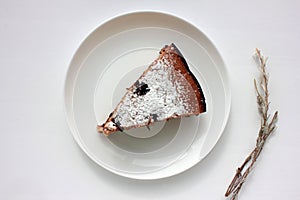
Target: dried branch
x=267, y=127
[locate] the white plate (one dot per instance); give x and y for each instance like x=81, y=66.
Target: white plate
x=109, y=60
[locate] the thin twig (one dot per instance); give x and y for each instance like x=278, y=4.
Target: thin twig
x=267, y=127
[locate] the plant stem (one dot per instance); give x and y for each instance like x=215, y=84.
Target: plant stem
x=266, y=128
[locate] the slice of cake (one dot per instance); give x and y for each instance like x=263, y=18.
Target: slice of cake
x=167, y=89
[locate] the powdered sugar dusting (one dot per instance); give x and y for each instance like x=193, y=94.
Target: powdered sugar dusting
x=160, y=93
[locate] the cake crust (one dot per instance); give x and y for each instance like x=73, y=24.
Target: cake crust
x=183, y=67
x=172, y=61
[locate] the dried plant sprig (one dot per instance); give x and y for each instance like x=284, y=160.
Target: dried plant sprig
x=267, y=127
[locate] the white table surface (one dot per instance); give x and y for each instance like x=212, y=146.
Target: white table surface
x=40, y=159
